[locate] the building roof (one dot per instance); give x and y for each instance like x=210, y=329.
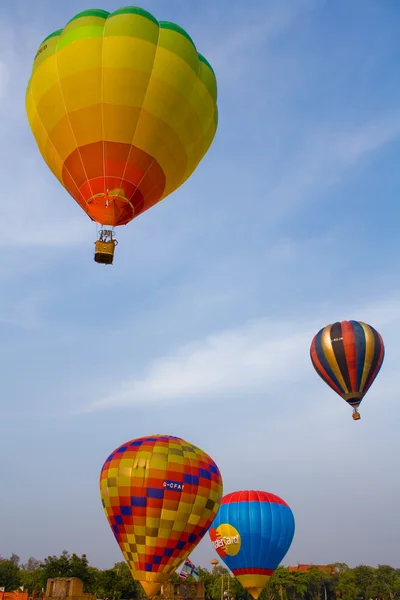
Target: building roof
x=304, y=568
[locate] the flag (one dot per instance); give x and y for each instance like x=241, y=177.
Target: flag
x=183, y=575
x=189, y=569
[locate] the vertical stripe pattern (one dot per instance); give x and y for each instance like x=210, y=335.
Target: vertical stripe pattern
x=252, y=533
x=348, y=357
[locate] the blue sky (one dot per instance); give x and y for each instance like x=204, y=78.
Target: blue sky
x=202, y=326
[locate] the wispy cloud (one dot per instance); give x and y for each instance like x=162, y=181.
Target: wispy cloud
x=39, y=214
x=3, y=79
x=37, y=211
x=325, y=158
x=227, y=362
x=229, y=50
x=25, y=312
x=262, y=354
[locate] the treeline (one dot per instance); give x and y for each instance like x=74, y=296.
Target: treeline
x=109, y=583
x=337, y=582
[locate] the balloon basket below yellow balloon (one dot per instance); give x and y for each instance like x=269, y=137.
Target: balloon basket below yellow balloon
x=356, y=415
x=105, y=248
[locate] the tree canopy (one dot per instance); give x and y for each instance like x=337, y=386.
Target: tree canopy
x=336, y=582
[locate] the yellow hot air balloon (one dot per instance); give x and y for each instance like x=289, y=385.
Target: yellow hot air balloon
x=160, y=495
x=123, y=108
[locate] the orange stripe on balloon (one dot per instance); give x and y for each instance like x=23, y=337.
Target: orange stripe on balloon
x=100, y=187
x=350, y=353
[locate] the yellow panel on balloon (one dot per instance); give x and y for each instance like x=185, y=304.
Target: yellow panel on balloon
x=126, y=103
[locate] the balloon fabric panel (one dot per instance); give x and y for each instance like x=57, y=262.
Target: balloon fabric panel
x=160, y=495
x=123, y=108
x=252, y=532
x=348, y=357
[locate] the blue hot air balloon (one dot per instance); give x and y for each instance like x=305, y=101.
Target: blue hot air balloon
x=252, y=532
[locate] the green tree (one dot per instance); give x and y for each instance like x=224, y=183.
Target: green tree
x=365, y=580
x=10, y=575
x=67, y=566
x=126, y=586
x=32, y=575
x=207, y=578
x=56, y=566
x=346, y=585
x=385, y=582
x=104, y=583
x=318, y=583
x=219, y=582
x=362, y=582
x=278, y=587
x=298, y=584
x=32, y=564
x=79, y=567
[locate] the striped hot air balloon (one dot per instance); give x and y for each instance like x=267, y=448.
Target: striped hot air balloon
x=348, y=357
x=252, y=532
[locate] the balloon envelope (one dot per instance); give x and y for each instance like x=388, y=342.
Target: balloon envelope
x=160, y=495
x=348, y=357
x=123, y=108
x=252, y=532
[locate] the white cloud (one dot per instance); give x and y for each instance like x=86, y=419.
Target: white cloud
x=24, y=312
x=226, y=362
x=38, y=214
x=260, y=355
x=325, y=157
x=367, y=138
x=229, y=53
x=3, y=79
x=34, y=207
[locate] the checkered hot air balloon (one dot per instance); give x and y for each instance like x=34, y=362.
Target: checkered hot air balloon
x=123, y=108
x=252, y=532
x=160, y=495
x=348, y=357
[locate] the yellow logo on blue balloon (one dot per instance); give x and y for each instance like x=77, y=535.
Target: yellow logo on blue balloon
x=226, y=540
